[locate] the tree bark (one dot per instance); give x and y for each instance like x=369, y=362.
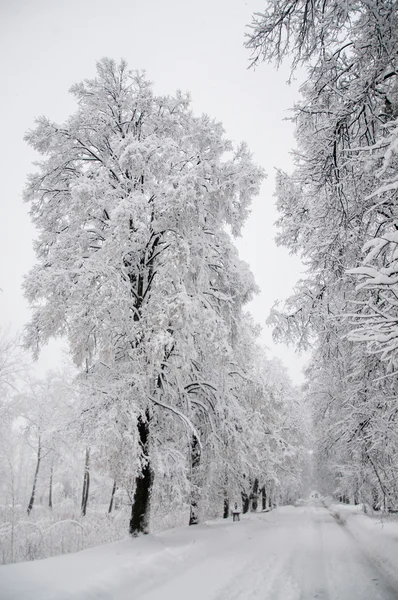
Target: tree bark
x=375, y=499
x=195, y=490
x=50, y=488
x=139, y=522
x=245, y=502
x=86, y=482
x=271, y=491
x=263, y=498
x=226, y=506
x=112, y=497
x=32, y=496
x=254, y=496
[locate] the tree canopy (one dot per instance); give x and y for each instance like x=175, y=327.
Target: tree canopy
x=338, y=212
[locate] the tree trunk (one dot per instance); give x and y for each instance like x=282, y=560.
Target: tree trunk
x=271, y=491
x=226, y=506
x=139, y=522
x=50, y=488
x=375, y=499
x=254, y=496
x=195, y=490
x=32, y=496
x=112, y=497
x=245, y=502
x=263, y=498
x=86, y=482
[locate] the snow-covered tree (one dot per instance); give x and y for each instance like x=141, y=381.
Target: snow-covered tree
x=340, y=199
x=42, y=413
x=132, y=202
x=13, y=363
x=375, y=316
x=14, y=369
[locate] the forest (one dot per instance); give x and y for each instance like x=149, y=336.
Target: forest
x=170, y=410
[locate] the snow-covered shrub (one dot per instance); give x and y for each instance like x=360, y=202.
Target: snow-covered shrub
x=49, y=533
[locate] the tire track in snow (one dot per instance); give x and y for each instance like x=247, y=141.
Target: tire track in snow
x=364, y=575
x=259, y=575
x=304, y=578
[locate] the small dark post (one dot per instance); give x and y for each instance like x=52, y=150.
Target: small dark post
x=236, y=513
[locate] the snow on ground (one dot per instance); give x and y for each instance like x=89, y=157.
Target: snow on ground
x=377, y=535
x=291, y=553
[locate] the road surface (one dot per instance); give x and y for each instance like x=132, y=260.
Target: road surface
x=301, y=553
x=295, y=554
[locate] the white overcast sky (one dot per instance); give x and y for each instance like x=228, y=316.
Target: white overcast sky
x=47, y=45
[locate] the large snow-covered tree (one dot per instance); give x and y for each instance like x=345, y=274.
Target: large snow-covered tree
x=339, y=202
x=375, y=320
x=133, y=202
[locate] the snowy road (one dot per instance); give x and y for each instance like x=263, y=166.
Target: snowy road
x=289, y=554
x=312, y=556
x=301, y=554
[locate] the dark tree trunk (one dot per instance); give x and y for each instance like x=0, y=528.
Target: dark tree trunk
x=226, y=506
x=195, y=490
x=254, y=496
x=383, y=490
x=32, y=496
x=86, y=482
x=112, y=497
x=271, y=497
x=245, y=502
x=263, y=498
x=375, y=499
x=139, y=522
x=50, y=488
